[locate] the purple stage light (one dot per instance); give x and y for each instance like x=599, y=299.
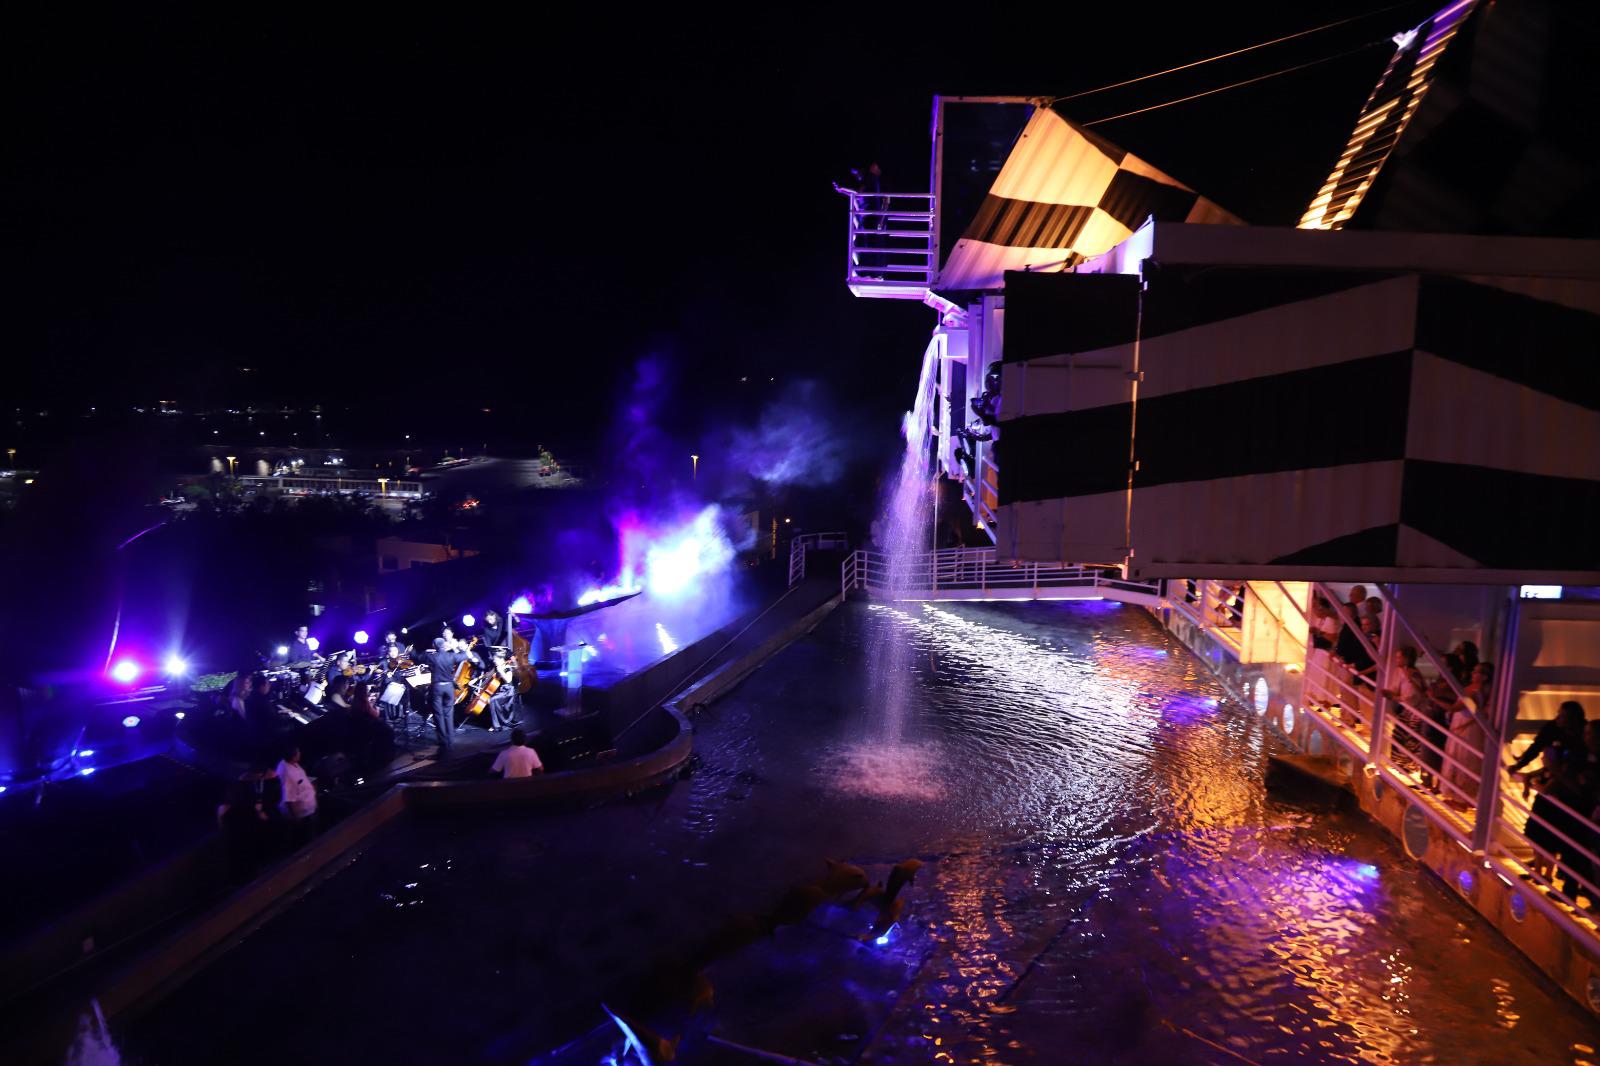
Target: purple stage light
x=361, y=636
x=468, y=620
x=313, y=643
x=130, y=722
x=521, y=605
x=176, y=665
x=126, y=672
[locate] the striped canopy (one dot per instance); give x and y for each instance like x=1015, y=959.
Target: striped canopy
x=1064, y=194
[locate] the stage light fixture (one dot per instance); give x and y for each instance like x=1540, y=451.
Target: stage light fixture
x=130, y=722
x=283, y=649
x=86, y=771
x=84, y=752
x=468, y=620
x=520, y=605
x=313, y=643
x=361, y=636
x=126, y=671
x=176, y=666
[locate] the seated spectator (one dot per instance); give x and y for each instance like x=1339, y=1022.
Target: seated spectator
x=237, y=692
x=517, y=759
x=371, y=738
x=249, y=819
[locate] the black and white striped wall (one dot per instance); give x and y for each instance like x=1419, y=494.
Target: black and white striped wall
x=1323, y=412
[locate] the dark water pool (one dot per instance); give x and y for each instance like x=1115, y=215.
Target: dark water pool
x=1106, y=881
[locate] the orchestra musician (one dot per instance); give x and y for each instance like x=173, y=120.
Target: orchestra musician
x=496, y=636
x=300, y=649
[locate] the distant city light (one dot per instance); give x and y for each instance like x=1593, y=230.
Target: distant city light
x=176, y=666
x=130, y=722
x=468, y=620
x=126, y=671
x=361, y=636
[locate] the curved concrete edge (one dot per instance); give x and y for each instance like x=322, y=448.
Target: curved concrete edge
x=610, y=779
x=144, y=981
x=140, y=984
x=726, y=677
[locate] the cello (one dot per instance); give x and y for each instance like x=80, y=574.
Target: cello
x=464, y=673
x=499, y=674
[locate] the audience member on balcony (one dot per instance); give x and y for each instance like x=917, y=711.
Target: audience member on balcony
x=1349, y=649
x=1324, y=624
x=1568, y=786
x=1462, y=661
x=1412, y=707
x=1557, y=739
x=1372, y=620
x=1464, y=751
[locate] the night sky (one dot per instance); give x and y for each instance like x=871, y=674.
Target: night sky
x=412, y=216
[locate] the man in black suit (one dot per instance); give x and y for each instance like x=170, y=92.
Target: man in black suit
x=446, y=657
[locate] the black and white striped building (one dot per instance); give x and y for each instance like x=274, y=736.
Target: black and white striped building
x=1132, y=376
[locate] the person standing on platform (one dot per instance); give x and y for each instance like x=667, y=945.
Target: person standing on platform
x=443, y=661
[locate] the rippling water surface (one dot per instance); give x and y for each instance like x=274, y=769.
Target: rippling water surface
x=1106, y=881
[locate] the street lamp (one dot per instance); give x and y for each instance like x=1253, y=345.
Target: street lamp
x=695, y=459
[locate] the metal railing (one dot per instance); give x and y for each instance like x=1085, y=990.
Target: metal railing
x=893, y=243
x=974, y=573
x=1445, y=745
x=810, y=542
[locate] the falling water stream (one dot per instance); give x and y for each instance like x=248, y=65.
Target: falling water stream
x=884, y=761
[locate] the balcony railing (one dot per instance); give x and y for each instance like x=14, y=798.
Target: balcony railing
x=893, y=244
x=974, y=574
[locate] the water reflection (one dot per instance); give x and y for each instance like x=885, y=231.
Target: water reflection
x=1106, y=881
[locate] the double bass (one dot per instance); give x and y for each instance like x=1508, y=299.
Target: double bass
x=522, y=670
